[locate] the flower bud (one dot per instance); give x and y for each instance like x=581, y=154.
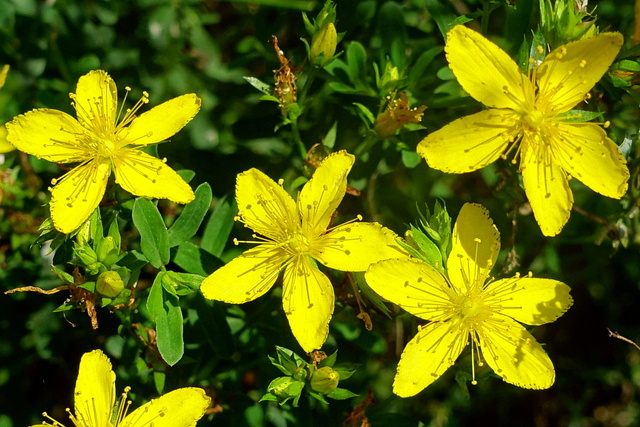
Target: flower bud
x=285, y=387
x=324, y=380
x=107, y=251
x=323, y=45
x=109, y=284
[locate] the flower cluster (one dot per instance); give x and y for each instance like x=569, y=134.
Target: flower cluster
x=529, y=119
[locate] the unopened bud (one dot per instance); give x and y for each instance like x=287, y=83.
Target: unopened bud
x=324, y=380
x=323, y=45
x=109, y=284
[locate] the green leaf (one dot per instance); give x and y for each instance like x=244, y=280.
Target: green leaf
x=218, y=228
x=154, y=239
x=169, y=331
x=133, y=260
x=155, y=300
x=330, y=137
x=114, y=232
x=260, y=85
x=191, y=217
x=410, y=159
x=364, y=112
x=159, y=380
x=330, y=360
x=356, y=61
x=341, y=394
x=193, y=259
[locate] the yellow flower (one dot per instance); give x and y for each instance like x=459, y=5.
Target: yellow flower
x=294, y=236
x=553, y=145
x=103, y=142
x=397, y=114
x=94, y=401
x=5, y=146
x=469, y=307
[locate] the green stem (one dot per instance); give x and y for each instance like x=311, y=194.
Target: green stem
x=297, y=138
x=302, y=94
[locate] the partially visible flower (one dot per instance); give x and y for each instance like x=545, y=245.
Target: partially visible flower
x=295, y=236
x=469, y=307
x=396, y=115
x=533, y=111
x=323, y=45
x=94, y=401
x=102, y=140
x=5, y=146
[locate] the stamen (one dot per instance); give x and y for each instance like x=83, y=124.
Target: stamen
x=123, y=406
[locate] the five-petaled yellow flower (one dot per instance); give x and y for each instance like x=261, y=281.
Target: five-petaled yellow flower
x=104, y=140
x=293, y=236
x=554, y=144
x=94, y=401
x=469, y=307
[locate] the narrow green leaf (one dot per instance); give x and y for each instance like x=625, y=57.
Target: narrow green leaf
x=330, y=138
x=260, y=85
x=169, y=332
x=341, y=394
x=218, y=228
x=191, y=217
x=154, y=239
x=155, y=300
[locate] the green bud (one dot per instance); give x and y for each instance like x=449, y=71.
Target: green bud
x=107, y=251
x=85, y=254
x=84, y=233
x=324, y=380
x=109, y=284
x=285, y=387
x=323, y=45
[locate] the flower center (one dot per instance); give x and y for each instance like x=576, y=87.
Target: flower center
x=472, y=308
x=534, y=119
x=105, y=147
x=299, y=243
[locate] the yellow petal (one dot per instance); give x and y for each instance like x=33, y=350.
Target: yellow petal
x=48, y=134
x=475, y=247
x=5, y=146
x=514, y=354
x=529, y=300
x=308, y=301
x=265, y=207
x=546, y=186
x=425, y=358
x=569, y=72
x=411, y=284
x=179, y=408
x=95, y=390
x=486, y=71
x=77, y=194
x=587, y=154
x=354, y=246
x=321, y=196
x=246, y=277
x=161, y=122
x=471, y=142
x=144, y=175
x=96, y=101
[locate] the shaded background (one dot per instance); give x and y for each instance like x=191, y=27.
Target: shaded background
x=173, y=47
